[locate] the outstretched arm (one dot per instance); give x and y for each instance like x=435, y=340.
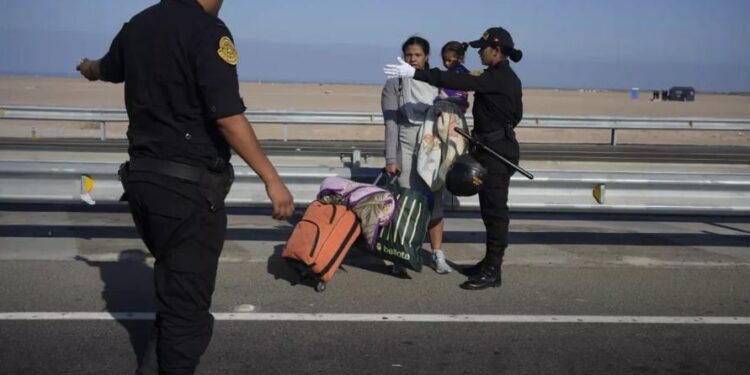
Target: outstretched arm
x=463, y=81
x=485, y=82
x=109, y=68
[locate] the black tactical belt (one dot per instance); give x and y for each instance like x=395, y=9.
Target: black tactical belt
x=168, y=168
x=491, y=137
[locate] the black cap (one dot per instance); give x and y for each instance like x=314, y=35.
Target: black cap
x=494, y=37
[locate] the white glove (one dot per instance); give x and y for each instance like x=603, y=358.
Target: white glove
x=402, y=69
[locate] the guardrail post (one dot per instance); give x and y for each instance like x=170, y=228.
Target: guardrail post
x=613, y=138
x=356, y=156
x=286, y=132
x=103, y=130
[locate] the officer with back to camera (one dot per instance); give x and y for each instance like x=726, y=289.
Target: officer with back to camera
x=497, y=110
x=178, y=62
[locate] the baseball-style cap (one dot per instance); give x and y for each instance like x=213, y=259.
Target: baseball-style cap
x=494, y=37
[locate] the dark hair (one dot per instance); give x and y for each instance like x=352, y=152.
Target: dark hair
x=513, y=54
x=456, y=47
x=422, y=42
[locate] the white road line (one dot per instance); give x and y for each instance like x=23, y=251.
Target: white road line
x=391, y=318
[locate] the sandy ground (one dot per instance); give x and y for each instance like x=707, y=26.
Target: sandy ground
x=74, y=92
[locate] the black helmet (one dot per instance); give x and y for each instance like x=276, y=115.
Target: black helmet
x=466, y=176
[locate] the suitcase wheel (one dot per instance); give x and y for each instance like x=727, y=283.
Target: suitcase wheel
x=320, y=287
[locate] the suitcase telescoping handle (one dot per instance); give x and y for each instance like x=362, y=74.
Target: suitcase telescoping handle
x=492, y=152
x=381, y=174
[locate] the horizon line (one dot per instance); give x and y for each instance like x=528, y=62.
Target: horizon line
x=323, y=82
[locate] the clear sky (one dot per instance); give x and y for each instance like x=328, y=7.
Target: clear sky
x=568, y=44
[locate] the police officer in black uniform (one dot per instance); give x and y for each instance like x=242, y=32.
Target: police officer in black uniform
x=178, y=62
x=497, y=110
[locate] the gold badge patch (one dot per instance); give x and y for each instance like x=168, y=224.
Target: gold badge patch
x=486, y=35
x=227, y=52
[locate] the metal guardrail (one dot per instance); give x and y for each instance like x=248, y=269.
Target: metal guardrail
x=103, y=116
x=550, y=191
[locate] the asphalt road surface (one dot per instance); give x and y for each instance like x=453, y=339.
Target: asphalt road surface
x=582, y=294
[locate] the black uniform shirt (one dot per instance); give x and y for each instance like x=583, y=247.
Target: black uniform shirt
x=179, y=67
x=497, y=94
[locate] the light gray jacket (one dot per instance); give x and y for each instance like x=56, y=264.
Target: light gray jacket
x=402, y=110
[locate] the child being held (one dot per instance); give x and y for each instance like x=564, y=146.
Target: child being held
x=453, y=57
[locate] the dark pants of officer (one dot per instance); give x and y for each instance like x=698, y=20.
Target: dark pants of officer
x=493, y=198
x=184, y=231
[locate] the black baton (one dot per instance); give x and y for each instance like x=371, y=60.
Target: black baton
x=492, y=152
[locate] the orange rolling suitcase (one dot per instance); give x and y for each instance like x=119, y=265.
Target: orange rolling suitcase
x=321, y=240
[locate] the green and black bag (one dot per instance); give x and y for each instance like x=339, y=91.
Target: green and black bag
x=401, y=241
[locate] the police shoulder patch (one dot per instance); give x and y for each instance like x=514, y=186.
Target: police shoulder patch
x=227, y=52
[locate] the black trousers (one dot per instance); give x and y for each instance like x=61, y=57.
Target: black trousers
x=184, y=230
x=493, y=197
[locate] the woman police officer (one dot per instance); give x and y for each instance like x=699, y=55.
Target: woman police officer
x=497, y=110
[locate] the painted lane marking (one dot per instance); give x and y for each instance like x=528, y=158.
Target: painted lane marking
x=394, y=318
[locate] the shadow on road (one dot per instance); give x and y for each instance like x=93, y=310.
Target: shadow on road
x=357, y=257
x=129, y=287
x=538, y=237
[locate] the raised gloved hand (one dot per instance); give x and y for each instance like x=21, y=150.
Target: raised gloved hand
x=402, y=69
